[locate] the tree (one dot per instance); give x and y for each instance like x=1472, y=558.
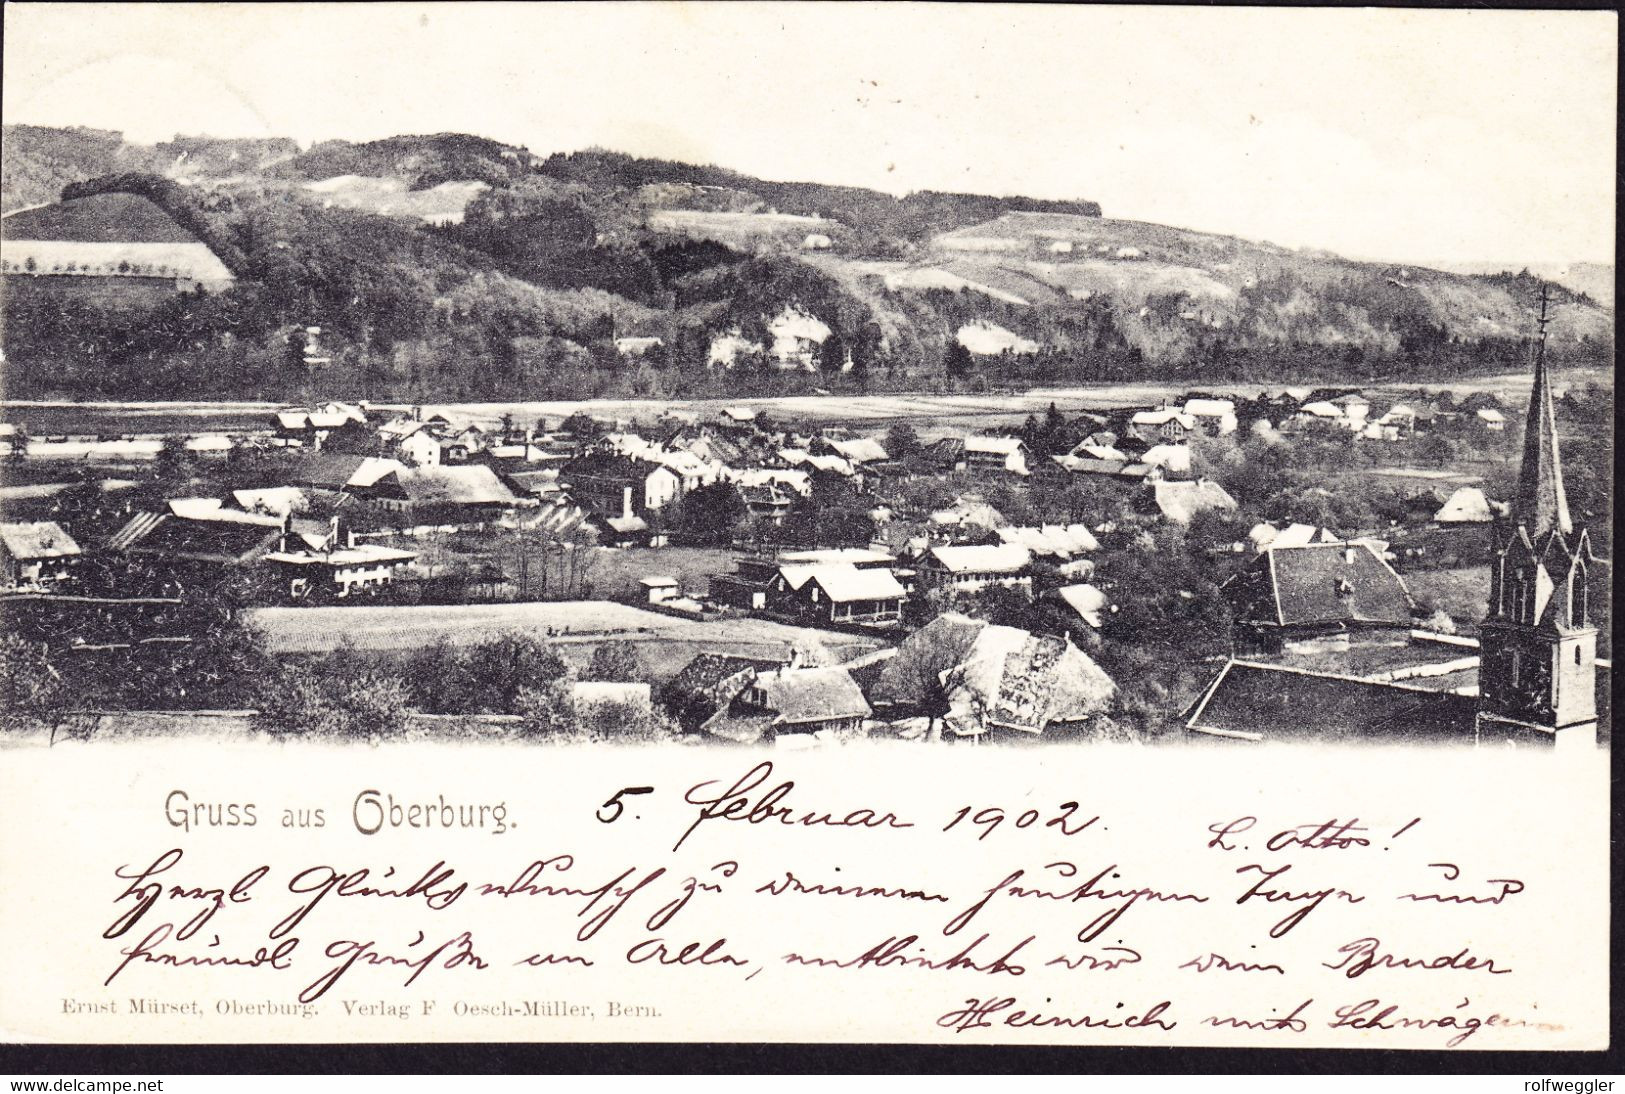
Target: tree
x=18, y=452
x=1436, y=450
x=439, y=678
x=1004, y=606
x=615, y=661
x=547, y=709
x=710, y=513
x=505, y=664
x=902, y=442
x=921, y=675
x=31, y=690
x=622, y=723
x=957, y=361
x=342, y=696
x=174, y=461
x=831, y=353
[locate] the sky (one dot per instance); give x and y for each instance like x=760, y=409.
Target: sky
x=1419, y=136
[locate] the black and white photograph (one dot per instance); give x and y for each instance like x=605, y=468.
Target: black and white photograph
x=1134, y=452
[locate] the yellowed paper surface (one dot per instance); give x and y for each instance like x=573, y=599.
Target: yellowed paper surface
x=1420, y=900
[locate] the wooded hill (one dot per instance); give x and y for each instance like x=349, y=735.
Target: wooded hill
x=456, y=267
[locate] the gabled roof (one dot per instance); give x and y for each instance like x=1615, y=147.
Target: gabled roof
x=1089, y=602
x=400, y=428
x=1180, y=501
x=1087, y=451
x=1293, y=535
x=802, y=696
x=1002, y=446
x=992, y=558
x=608, y=465
x=1171, y=457
x=26, y=540
x=469, y=484
x=1063, y=540
x=799, y=481
x=1335, y=583
x=1467, y=505
x=704, y=688
x=212, y=509
x=861, y=450
x=363, y=554
x=1321, y=410
x=844, y=583
x=177, y=538
x=969, y=510
x=339, y=471
x=271, y=499
x=1163, y=417
x=1210, y=408
x=1253, y=702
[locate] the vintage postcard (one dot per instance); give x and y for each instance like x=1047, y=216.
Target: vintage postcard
x=909, y=524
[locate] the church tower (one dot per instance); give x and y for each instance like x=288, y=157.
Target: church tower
x=1537, y=674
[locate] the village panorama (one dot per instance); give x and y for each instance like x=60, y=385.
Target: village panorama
x=593, y=449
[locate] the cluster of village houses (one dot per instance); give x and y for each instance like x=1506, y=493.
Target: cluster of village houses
x=413, y=472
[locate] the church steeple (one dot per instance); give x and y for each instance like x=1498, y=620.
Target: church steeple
x=1541, y=505
x=1537, y=674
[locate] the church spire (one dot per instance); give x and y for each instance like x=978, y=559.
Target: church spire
x=1541, y=505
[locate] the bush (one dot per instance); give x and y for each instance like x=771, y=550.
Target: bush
x=341, y=697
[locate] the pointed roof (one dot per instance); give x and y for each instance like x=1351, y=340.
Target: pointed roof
x=1540, y=504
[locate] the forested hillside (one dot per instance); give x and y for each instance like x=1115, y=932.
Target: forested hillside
x=516, y=276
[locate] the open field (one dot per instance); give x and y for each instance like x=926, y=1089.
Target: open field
x=616, y=571
x=925, y=411
x=665, y=643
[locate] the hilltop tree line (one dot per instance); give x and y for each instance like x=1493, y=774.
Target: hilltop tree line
x=524, y=298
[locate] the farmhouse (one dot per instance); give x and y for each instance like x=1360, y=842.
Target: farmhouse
x=1215, y=417
x=618, y=486
x=996, y=454
x=969, y=568
x=810, y=700
x=999, y=681
x=838, y=592
x=335, y=571
x=335, y=472
x=1152, y=426
x=1178, y=502
x=35, y=553
x=471, y=491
